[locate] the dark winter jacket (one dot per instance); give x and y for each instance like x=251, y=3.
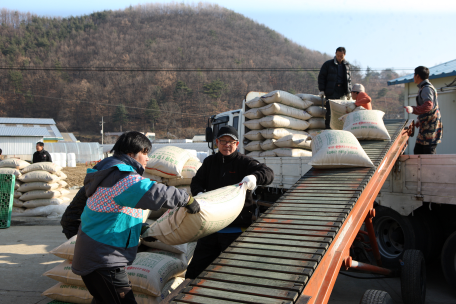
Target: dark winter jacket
x=219, y=171
x=112, y=218
x=71, y=219
x=327, y=78
x=41, y=156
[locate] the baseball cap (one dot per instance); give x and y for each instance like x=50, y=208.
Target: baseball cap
x=357, y=87
x=228, y=131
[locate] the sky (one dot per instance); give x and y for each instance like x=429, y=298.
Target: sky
x=399, y=34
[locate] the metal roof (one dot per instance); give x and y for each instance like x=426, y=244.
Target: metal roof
x=30, y=121
x=442, y=70
x=23, y=131
x=56, y=131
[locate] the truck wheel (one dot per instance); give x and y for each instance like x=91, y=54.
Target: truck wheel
x=372, y=296
x=413, y=277
x=448, y=259
x=395, y=234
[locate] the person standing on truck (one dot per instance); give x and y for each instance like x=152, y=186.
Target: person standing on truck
x=111, y=223
x=429, y=119
x=41, y=155
x=334, y=80
x=360, y=96
x=226, y=167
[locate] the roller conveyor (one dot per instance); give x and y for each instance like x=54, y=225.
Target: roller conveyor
x=294, y=251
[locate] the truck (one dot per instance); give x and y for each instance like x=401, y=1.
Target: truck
x=415, y=208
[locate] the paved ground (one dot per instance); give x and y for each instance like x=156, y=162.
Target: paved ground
x=24, y=258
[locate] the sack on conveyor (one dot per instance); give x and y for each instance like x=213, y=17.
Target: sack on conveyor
x=316, y=123
x=253, y=146
x=170, y=287
x=315, y=132
x=316, y=111
x=39, y=176
x=286, y=99
x=43, y=166
x=268, y=144
x=280, y=121
x=340, y=108
x=269, y=153
x=254, y=114
x=254, y=135
x=280, y=109
x=12, y=171
x=255, y=103
x=253, y=124
x=294, y=141
x=219, y=208
x=25, y=187
x=366, y=125
x=338, y=149
x=167, y=162
x=314, y=99
x=14, y=163
x=280, y=132
x=66, y=250
x=289, y=152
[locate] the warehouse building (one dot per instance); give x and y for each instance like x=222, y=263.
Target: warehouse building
x=21, y=141
x=47, y=123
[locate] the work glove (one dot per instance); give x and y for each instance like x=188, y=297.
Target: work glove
x=193, y=206
x=409, y=109
x=348, y=96
x=144, y=228
x=350, y=107
x=321, y=94
x=417, y=123
x=249, y=181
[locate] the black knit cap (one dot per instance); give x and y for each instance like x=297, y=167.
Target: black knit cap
x=228, y=131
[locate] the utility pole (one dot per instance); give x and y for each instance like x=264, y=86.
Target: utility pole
x=102, y=129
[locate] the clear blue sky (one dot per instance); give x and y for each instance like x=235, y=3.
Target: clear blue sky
x=379, y=34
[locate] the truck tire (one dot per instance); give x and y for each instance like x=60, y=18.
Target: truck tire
x=448, y=259
x=394, y=233
x=372, y=296
x=413, y=277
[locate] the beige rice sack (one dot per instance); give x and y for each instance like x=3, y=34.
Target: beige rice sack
x=255, y=103
x=62, y=184
x=183, y=257
x=316, y=111
x=66, y=250
x=294, y=141
x=190, y=168
x=289, y=152
x=39, y=176
x=366, y=125
x=43, y=166
x=44, y=202
x=254, y=154
x=61, y=175
x=268, y=144
x=314, y=99
x=338, y=149
x=154, y=214
x=167, y=162
x=69, y=293
x=152, y=177
x=17, y=203
x=219, y=208
x=254, y=114
x=286, y=99
x=315, y=132
x=338, y=109
x=12, y=171
x=253, y=124
x=17, y=185
x=40, y=194
x=17, y=211
x=150, y=272
x=17, y=194
x=280, y=121
x=170, y=286
x=171, y=248
x=253, y=146
x=316, y=123
x=254, y=135
x=14, y=163
x=280, y=109
x=279, y=133
x=25, y=187
x=63, y=273
x=177, y=181
x=269, y=153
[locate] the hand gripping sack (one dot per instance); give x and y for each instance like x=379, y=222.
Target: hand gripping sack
x=253, y=146
x=254, y=135
x=315, y=99
x=253, y=124
x=254, y=114
x=338, y=109
x=43, y=166
x=268, y=144
x=14, y=163
x=277, y=133
x=167, y=162
x=294, y=141
x=338, y=149
x=366, y=125
x=219, y=208
x=280, y=109
x=316, y=123
x=286, y=99
x=316, y=111
x=255, y=103
x=281, y=121
x=289, y=152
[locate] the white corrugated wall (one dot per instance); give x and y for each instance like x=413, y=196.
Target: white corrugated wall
x=84, y=152
x=20, y=145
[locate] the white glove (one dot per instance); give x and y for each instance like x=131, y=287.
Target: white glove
x=249, y=181
x=350, y=107
x=409, y=109
x=321, y=94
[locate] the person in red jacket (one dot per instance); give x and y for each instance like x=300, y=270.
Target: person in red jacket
x=360, y=96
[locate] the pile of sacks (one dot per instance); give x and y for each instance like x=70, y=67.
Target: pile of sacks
x=39, y=188
x=280, y=124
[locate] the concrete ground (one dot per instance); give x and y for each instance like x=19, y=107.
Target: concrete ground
x=24, y=257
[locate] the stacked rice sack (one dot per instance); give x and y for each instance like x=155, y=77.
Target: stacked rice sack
x=278, y=124
x=41, y=191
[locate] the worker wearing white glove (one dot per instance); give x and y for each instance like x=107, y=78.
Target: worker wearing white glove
x=249, y=181
x=321, y=94
x=350, y=107
x=409, y=109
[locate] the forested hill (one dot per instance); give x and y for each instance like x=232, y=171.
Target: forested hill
x=149, y=37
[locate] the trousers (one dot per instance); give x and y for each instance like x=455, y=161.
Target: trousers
x=424, y=149
x=109, y=286
x=207, y=250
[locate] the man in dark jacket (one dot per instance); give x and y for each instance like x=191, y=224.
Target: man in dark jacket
x=334, y=80
x=227, y=167
x=41, y=155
